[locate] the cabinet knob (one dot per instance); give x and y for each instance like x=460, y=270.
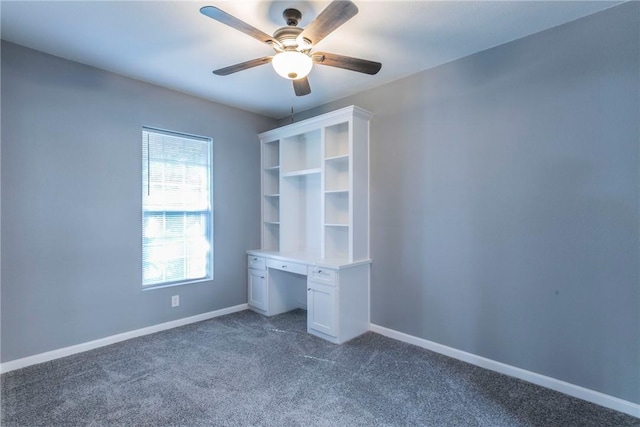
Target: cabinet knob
x=262, y=277
x=255, y=259
x=284, y=266
x=319, y=271
x=308, y=289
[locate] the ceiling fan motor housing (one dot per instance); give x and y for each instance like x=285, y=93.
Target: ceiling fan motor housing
x=287, y=36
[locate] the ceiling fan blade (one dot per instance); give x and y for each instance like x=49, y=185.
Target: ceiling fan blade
x=346, y=62
x=242, y=66
x=230, y=20
x=337, y=13
x=301, y=86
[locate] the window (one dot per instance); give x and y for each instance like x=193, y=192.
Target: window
x=177, y=218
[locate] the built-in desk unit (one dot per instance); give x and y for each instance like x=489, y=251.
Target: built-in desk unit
x=315, y=224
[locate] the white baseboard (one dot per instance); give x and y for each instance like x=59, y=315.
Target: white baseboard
x=592, y=396
x=79, y=348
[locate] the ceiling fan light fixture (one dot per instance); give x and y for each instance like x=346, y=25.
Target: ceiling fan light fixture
x=292, y=64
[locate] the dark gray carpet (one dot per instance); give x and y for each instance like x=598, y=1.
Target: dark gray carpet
x=247, y=370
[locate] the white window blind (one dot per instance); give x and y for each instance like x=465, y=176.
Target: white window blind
x=177, y=218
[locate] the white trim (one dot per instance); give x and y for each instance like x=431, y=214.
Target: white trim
x=312, y=123
x=79, y=348
x=592, y=396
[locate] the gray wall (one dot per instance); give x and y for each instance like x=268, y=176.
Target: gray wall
x=505, y=203
x=71, y=202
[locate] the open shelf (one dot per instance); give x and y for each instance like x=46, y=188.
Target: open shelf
x=301, y=152
x=271, y=209
x=336, y=241
x=337, y=140
x=271, y=182
x=271, y=236
x=342, y=157
x=301, y=172
x=337, y=173
x=336, y=208
x=300, y=213
x=271, y=155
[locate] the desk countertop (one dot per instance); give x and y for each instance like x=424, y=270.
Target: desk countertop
x=309, y=259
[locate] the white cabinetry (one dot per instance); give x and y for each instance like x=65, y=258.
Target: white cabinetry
x=257, y=289
x=257, y=279
x=338, y=302
x=315, y=186
x=321, y=308
x=315, y=224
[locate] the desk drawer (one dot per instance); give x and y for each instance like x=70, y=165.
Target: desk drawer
x=321, y=274
x=287, y=266
x=256, y=262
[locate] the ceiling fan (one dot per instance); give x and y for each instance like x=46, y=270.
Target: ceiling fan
x=293, y=58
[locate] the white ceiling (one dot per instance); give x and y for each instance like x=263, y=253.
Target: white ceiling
x=169, y=43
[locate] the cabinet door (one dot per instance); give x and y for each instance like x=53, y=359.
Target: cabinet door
x=322, y=308
x=257, y=289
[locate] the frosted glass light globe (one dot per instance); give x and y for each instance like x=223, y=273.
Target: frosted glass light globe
x=292, y=64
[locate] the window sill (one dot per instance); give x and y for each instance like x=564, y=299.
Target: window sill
x=171, y=285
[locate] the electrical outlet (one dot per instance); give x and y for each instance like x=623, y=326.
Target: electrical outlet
x=175, y=300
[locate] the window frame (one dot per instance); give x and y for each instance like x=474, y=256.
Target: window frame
x=210, y=271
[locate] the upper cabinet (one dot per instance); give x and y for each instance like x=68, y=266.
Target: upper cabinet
x=315, y=187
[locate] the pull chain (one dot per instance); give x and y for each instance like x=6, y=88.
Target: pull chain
x=293, y=102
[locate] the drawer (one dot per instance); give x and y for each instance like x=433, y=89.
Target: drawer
x=321, y=274
x=287, y=266
x=256, y=262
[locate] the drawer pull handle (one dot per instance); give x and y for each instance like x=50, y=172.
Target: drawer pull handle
x=262, y=277
x=255, y=259
x=284, y=266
